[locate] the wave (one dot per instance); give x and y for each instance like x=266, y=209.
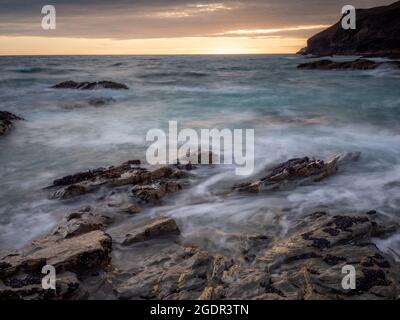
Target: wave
x=385, y=70
x=173, y=74
x=29, y=69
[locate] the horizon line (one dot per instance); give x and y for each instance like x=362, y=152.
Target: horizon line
x=146, y=54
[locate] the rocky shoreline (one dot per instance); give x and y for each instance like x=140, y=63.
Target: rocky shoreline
x=305, y=264
x=359, y=64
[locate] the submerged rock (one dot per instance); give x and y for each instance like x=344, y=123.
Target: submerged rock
x=90, y=85
x=6, y=121
x=98, y=102
x=359, y=64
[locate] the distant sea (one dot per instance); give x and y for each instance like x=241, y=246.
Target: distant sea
x=294, y=113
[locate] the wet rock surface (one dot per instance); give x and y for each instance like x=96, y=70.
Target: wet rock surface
x=359, y=64
x=294, y=171
x=78, y=244
x=149, y=186
x=90, y=85
x=307, y=265
x=6, y=121
x=106, y=254
x=146, y=230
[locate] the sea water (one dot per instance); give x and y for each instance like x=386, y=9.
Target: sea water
x=294, y=112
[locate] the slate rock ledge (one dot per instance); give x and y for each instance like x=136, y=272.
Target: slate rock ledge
x=90, y=85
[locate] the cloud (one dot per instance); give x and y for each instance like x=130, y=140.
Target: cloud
x=259, y=32
x=147, y=19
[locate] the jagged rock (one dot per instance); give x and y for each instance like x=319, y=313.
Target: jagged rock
x=6, y=121
x=176, y=272
x=359, y=64
x=99, y=173
x=80, y=222
x=299, y=170
x=145, y=230
x=150, y=185
x=313, y=256
x=305, y=265
x=155, y=192
x=71, y=191
x=90, y=85
x=376, y=34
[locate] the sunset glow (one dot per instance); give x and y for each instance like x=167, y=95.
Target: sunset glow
x=185, y=45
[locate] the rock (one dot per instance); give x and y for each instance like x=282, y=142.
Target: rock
x=162, y=181
x=78, y=245
x=313, y=256
x=155, y=192
x=176, y=272
x=299, y=170
x=359, y=64
x=71, y=191
x=376, y=34
x=302, y=51
x=77, y=253
x=149, y=185
x=99, y=173
x=80, y=222
x=98, y=102
x=6, y=121
x=307, y=264
x=145, y=230
x=67, y=287
x=127, y=207
x=90, y=85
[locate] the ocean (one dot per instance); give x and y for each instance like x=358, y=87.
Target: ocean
x=295, y=113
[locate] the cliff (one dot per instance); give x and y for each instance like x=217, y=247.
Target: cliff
x=377, y=33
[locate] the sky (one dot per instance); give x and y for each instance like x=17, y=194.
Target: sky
x=167, y=26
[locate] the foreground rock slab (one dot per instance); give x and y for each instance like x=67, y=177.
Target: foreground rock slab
x=359, y=64
x=78, y=245
x=307, y=264
x=6, y=121
x=90, y=85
